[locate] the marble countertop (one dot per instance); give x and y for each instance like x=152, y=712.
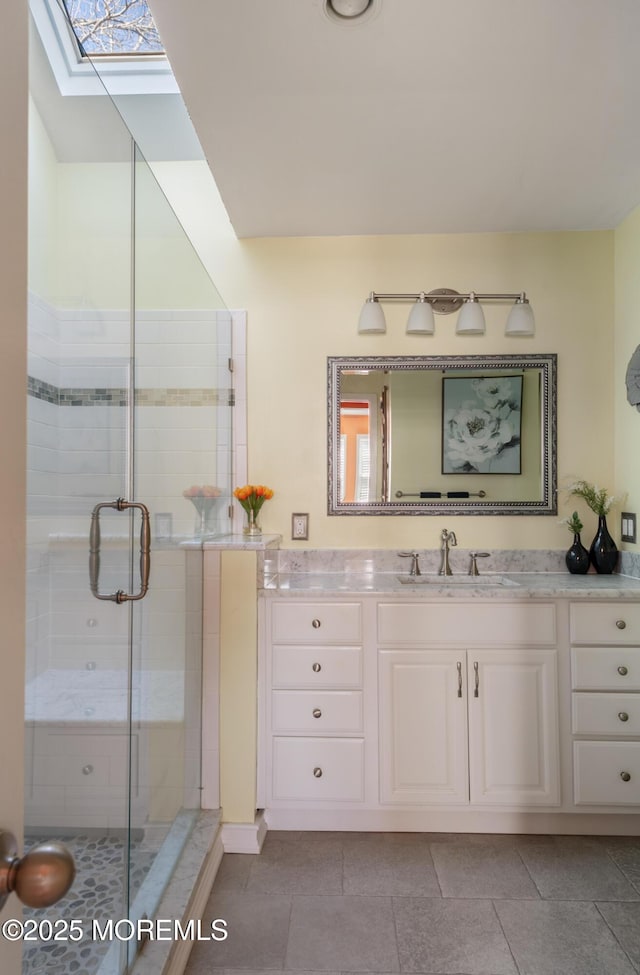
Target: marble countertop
x=512, y=585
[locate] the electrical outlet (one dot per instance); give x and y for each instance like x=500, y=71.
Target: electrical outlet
x=300, y=526
x=628, y=526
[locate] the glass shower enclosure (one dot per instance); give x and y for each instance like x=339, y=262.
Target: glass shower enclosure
x=129, y=433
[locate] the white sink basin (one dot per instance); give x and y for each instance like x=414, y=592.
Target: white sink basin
x=484, y=580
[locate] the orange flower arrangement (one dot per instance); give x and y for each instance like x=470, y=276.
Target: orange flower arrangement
x=253, y=496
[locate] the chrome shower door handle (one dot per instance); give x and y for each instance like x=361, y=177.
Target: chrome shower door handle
x=94, y=551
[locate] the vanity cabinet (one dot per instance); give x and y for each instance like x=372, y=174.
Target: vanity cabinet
x=474, y=713
x=468, y=725
x=314, y=704
x=605, y=703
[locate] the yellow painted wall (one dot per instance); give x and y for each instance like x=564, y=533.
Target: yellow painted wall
x=627, y=339
x=238, y=680
x=303, y=297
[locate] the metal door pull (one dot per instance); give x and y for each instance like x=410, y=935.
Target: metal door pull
x=94, y=551
x=39, y=878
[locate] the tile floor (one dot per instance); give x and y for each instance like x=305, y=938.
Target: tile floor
x=443, y=904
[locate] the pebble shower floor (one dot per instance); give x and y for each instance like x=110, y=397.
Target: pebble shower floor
x=97, y=893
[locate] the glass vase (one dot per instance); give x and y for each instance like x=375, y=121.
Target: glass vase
x=251, y=526
x=205, y=516
x=604, y=551
x=577, y=558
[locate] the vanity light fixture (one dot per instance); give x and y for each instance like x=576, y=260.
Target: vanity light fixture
x=444, y=301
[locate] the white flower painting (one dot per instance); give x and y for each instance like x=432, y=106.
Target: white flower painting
x=481, y=425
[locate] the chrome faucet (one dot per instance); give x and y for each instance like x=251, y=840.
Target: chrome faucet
x=448, y=538
x=415, y=562
x=473, y=567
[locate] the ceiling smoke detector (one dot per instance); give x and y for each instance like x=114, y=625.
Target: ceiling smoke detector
x=347, y=9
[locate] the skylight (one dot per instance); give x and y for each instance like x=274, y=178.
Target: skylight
x=114, y=28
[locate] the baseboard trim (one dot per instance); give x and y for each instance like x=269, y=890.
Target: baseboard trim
x=398, y=821
x=244, y=837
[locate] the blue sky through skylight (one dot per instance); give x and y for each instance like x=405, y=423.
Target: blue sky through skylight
x=114, y=27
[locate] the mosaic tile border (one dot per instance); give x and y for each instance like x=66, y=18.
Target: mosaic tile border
x=116, y=396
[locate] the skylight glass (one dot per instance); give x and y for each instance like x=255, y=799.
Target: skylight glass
x=114, y=28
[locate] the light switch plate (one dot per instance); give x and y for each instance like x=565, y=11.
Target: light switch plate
x=300, y=526
x=628, y=526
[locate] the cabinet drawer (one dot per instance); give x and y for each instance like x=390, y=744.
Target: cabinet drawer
x=613, y=622
x=606, y=714
x=318, y=769
x=469, y=624
x=598, y=767
x=316, y=623
x=316, y=712
x=317, y=667
x=605, y=668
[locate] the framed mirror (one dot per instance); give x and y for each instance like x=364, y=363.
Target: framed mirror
x=433, y=435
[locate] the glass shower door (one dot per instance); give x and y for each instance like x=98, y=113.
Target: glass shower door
x=128, y=398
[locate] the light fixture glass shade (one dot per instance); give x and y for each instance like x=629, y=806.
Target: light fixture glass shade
x=372, y=317
x=521, y=320
x=421, y=320
x=471, y=318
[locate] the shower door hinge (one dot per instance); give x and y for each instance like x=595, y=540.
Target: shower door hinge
x=230, y=365
x=230, y=511
x=232, y=397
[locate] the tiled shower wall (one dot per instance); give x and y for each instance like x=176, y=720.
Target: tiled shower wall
x=78, y=377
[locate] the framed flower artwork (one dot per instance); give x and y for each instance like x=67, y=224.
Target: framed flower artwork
x=481, y=424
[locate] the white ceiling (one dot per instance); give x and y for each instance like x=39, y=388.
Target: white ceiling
x=431, y=116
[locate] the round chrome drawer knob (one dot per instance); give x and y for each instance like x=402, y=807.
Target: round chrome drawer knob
x=317, y=713
x=625, y=776
x=621, y=624
x=87, y=769
x=316, y=624
x=623, y=715
x=623, y=671
x=317, y=772
x=316, y=668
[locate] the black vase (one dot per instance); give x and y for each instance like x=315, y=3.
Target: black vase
x=604, y=551
x=577, y=558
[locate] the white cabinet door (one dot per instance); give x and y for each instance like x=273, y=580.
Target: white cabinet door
x=423, y=727
x=513, y=727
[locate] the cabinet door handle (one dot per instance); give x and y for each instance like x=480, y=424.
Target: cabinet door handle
x=459, y=666
x=316, y=668
x=317, y=713
x=316, y=624
x=476, y=689
x=623, y=671
x=625, y=776
x=621, y=624
x=317, y=772
x=623, y=715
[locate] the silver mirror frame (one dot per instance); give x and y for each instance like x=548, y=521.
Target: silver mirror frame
x=547, y=363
